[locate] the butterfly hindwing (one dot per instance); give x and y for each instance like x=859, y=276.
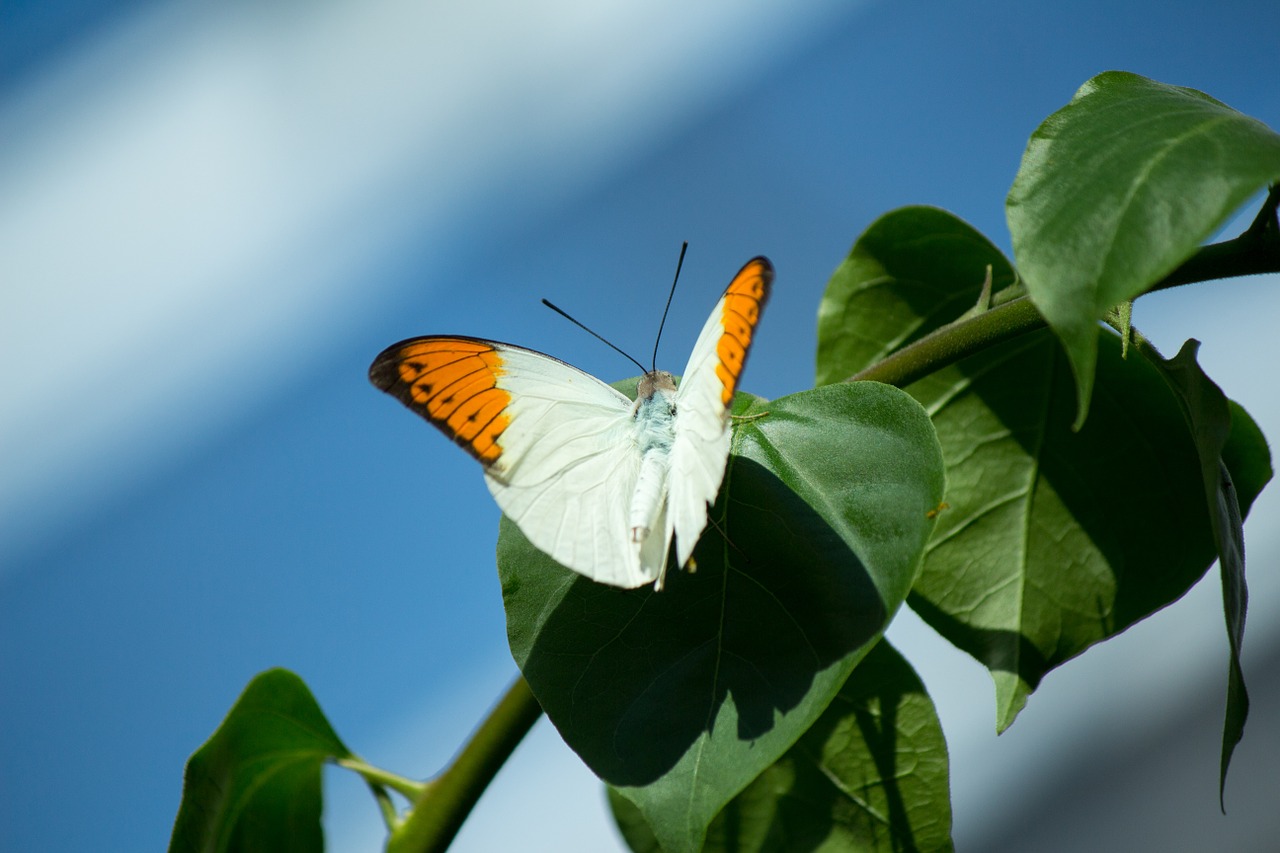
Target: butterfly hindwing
x=556, y=443
x=701, y=447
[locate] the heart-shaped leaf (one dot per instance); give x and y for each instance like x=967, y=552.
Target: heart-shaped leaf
x=680, y=698
x=870, y=775
x=255, y=784
x=1119, y=187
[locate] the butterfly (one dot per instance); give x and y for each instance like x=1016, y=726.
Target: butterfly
x=601, y=483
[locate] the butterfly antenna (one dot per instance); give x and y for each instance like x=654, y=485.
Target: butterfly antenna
x=594, y=334
x=684, y=247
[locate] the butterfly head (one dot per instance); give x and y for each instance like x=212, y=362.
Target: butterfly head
x=653, y=382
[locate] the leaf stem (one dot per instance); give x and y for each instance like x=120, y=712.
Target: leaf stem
x=390, y=815
x=1257, y=250
x=410, y=788
x=438, y=813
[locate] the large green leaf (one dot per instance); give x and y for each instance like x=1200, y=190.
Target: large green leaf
x=255, y=784
x=680, y=698
x=870, y=775
x=914, y=269
x=1052, y=541
x=1119, y=187
x=1056, y=540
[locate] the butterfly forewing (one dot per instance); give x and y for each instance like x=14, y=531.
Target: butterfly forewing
x=557, y=444
x=701, y=446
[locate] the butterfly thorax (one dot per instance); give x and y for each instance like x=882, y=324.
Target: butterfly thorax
x=654, y=411
x=655, y=419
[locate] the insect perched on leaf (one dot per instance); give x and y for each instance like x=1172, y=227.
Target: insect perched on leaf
x=599, y=482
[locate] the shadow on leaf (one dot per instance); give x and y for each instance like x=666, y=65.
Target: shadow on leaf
x=634, y=679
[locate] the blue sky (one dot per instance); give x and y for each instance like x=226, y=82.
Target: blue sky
x=213, y=217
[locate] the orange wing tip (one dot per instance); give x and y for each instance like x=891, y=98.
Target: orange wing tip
x=453, y=383
x=754, y=279
x=743, y=305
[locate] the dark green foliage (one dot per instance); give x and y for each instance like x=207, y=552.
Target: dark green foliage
x=869, y=775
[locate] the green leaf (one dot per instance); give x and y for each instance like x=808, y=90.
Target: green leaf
x=913, y=270
x=870, y=775
x=631, y=823
x=1054, y=539
x=1119, y=187
x=255, y=784
x=1208, y=416
x=680, y=698
x=1247, y=457
x=1034, y=559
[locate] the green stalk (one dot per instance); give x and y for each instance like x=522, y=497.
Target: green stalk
x=444, y=804
x=952, y=343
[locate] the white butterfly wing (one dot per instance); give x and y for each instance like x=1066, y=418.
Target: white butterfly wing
x=558, y=445
x=701, y=446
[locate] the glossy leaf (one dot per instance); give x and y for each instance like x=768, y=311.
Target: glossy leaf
x=1119, y=187
x=255, y=784
x=680, y=698
x=1056, y=540
x=1053, y=541
x=870, y=775
x=913, y=270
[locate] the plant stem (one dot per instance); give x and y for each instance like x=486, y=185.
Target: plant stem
x=951, y=343
x=439, y=812
x=1255, y=251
